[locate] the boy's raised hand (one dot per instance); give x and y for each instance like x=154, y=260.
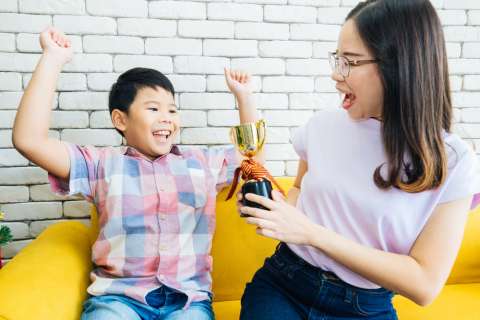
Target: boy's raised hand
x=30, y=129
x=55, y=43
x=239, y=82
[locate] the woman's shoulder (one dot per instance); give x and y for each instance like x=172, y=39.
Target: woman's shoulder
x=457, y=148
x=338, y=120
x=326, y=118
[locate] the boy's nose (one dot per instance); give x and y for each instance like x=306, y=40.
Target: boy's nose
x=165, y=119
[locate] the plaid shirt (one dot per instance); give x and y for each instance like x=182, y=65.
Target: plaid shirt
x=156, y=218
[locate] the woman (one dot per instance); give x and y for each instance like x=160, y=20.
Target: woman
x=383, y=188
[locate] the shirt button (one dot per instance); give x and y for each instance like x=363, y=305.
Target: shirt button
x=163, y=216
x=161, y=277
x=162, y=247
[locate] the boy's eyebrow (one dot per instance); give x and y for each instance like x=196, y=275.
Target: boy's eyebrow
x=158, y=102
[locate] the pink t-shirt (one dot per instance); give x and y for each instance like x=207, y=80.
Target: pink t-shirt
x=339, y=193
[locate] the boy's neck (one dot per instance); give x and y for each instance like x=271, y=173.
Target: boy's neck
x=132, y=151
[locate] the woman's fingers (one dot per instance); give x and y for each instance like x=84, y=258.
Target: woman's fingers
x=266, y=233
x=261, y=223
x=267, y=203
x=255, y=212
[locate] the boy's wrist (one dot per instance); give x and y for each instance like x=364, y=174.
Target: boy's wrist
x=53, y=60
x=244, y=97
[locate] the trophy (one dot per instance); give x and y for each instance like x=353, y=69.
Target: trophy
x=249, y=139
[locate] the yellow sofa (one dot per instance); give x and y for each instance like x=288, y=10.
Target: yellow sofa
x=48, y=278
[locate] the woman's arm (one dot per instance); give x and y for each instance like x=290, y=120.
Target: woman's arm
x=293, y=193
x=419, y=276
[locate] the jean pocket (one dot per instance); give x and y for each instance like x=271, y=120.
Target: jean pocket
x=371, y=304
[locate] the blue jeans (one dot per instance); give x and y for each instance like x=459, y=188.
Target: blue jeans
x=289, y=288
x=163, y=303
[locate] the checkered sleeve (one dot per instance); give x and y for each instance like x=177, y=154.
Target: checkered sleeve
x=222, y=162
x=83, y=173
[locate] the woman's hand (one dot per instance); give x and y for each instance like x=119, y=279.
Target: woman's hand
x=55, y=43
x=283, y=222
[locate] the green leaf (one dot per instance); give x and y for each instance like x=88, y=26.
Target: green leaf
x=5, y=235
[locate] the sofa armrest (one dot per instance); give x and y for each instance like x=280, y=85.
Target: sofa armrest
x=49, y=277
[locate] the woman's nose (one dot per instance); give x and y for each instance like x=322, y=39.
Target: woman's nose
x=337, y=76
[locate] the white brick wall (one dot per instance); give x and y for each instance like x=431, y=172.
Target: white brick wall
x=283, y=43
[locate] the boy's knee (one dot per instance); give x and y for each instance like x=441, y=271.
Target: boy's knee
x=197, y=311
x=107, y=309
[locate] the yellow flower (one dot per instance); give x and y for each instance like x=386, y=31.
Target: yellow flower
x=2, y=215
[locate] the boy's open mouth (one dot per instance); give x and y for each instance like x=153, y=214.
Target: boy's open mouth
x=162, y=135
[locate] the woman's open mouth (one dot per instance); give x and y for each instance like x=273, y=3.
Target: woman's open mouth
x=348, y=100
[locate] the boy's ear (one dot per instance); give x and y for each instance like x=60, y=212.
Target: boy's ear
x=119, y=120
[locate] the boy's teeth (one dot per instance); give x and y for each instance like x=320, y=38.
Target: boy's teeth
x=162, y=132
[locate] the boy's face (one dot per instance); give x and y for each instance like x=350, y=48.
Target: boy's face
x=152, y=122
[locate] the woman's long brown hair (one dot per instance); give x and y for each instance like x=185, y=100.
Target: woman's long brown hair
x=406, y=37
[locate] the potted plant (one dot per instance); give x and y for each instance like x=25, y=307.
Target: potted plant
x=5, y=236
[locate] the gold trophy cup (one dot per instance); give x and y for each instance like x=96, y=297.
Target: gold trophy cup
x=249, y=139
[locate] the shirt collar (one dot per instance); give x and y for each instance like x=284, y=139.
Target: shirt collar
x=131, y=151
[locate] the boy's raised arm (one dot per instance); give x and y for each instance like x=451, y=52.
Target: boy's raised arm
x=240, y=84
x=30, y=129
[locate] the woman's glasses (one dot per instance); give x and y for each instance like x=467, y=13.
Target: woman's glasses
x=342, y=64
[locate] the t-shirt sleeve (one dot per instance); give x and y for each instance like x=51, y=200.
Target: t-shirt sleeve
x=222, y=162
x=83, y=173
x=299, y=142
x=463, y=179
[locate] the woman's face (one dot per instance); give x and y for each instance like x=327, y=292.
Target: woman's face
x=362, y=89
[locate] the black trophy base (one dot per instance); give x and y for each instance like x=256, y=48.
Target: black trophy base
x=260, y=187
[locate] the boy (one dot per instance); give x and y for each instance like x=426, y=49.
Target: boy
x=156, y=203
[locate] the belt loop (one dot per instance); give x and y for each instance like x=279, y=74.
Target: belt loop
x=348, y=295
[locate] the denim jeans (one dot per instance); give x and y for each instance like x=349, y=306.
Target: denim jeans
x=163, y=303
x=289, y=288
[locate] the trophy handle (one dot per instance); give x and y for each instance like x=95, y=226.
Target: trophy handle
x=232, y=135
x=261, y=132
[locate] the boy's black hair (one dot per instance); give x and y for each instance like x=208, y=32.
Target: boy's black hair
x=124, y=91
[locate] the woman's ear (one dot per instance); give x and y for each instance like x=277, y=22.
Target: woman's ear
x=119, y=120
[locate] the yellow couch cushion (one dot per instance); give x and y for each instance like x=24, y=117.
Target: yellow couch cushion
x=54, y=267
x=456, y=301
x=467, y=264
x=227, y=310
